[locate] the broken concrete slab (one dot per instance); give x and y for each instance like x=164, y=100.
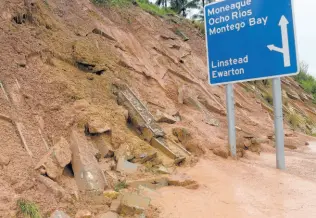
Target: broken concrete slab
x=138, y=113
x=56, y=159
x=83, y=214
x=132, y=204
x=108, y=215
x=165, y=118
x=59, y=214
x=143, y=121
x=159, y=144
x=124, y=166
x=88, y=175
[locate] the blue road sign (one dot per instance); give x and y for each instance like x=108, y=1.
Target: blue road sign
x=250, y=40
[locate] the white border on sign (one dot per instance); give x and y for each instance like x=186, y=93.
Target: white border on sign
x=259, y=78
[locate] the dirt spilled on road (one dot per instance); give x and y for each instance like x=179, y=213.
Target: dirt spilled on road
x=244, y=189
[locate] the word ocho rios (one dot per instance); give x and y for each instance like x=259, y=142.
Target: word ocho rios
x=232, y=12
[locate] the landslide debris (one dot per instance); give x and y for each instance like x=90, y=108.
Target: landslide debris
x=93, y=99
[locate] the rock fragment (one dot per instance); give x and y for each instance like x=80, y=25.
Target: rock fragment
x=55, y=160
x=293, y=95
x=163, y=170
x=221, y=151
x=83, y=214
x=88, y=175
x=115, y=206
x=59, y=214
x=132, y=204
x=125, y=166
x=57, y=190
x=97, y=126
x=165, y=118
x=182, y=180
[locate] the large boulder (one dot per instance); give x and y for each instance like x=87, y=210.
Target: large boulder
x=88, y=175
x=55, y=160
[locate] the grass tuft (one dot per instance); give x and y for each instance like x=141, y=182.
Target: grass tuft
x=294, y=119
x=200, y=26
x=120, y=185
x=307, y=81
x=28, y=208
x=268, y=97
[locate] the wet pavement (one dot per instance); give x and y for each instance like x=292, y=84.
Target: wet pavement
x=249, y=187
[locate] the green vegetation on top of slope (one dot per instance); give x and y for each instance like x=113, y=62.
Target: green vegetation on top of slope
x=120, y=3
x=143, y=4
x=154, y=9
x=307, y=81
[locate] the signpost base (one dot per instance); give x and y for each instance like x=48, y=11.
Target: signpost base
x=278, y=123
x=231, y=118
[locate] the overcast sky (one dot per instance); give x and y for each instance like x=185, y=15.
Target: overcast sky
x=305, y=16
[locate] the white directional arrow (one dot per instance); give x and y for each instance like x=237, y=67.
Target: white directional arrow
x=285, y=42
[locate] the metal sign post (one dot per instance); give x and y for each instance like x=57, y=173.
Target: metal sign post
x=251, y=40
x=231, y=118
x=278, y=123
